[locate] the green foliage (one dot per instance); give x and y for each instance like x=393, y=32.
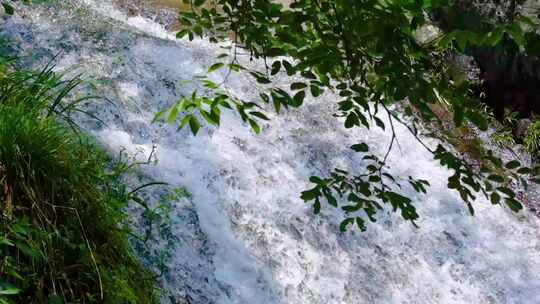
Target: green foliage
x=8, y=5
x=63, y=237
x=8, y=9
x=532, y=138
x=364, y=193
x=503, y=138
x=510, y=117
x=367, y=54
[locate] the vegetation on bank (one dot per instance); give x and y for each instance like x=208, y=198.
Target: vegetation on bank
x=532, y=138
x=63, y=231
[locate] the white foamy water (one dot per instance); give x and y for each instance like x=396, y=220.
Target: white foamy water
x=245, y=236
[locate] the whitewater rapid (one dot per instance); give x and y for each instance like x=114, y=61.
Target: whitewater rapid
x=243, y=235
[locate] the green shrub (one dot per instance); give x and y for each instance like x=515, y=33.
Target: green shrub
x=62, y=232
x=532, y=139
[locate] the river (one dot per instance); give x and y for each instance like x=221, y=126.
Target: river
x=243, y=235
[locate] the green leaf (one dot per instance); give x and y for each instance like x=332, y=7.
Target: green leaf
x=298, y=99
x=495, y=198
x=513, y=204
x=8, y=8
x=184, y=121
x=288, y=67
x=507, y=191
x=194, y=125
x=298, y=86
x=197, y=29
x=462, y=39
x=55, y=299
x=471, y=209
x=275, y=52
x=260, y=78
x=374, y=178
x=513, y=164
x=211, y=119
x=317, y=206
x=215, y=67
x=526, y=21
x=159, y=115
x=524, y=170
x=315, y=90
x=331, y=199
x=8, y=289
x=496, y=178
x=277, y=103
x=181, y=34
x=494, y=37
x=346, y=105
x=276, y=66
x=342, y=86
x=235, y=67
x=379, y=122
x=265, y=97
x=28, y=250
x=345, y=223
x=316, y=180
x=352, y=208
x=308, y=75
x=5, y=241
x=209, y=84
x=259, y=115
x=351, y=121
x=360, y=224
x=173, y=114
x=446, y=40
x=478, y=119
x=311, y=194
x=515, y=31
x=362, y=147
x=254, y=126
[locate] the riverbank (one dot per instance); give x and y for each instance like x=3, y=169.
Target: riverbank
x=63, y=229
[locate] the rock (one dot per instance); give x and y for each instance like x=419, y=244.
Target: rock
x=427, y=33
x=521, y=128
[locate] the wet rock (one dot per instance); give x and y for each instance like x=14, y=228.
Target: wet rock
x=167, y=17
x=521, y=128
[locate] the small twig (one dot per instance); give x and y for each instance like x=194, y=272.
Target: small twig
x=414, y=134
x=147, y=162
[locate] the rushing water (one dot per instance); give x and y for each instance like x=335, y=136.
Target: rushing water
x=244, y=236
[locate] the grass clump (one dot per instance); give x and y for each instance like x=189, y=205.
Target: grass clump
x=63, y=237
x=532, y=138
x=503, y=138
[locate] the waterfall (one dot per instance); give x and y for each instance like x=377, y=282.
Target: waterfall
x=243, y=235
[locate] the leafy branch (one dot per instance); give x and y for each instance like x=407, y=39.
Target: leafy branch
x=367, y=53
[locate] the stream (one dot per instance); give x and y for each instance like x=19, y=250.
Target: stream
x=241, y=233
